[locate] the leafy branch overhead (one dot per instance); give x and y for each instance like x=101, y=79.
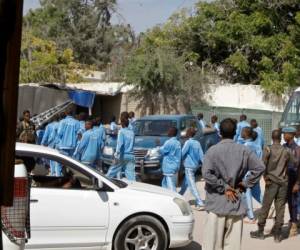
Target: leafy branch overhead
x=81, y=28
x=245, y=41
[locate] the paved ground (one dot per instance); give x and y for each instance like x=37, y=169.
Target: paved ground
x=248, y=243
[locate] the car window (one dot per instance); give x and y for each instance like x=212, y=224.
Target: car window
x=153, y=127
x=49, y=173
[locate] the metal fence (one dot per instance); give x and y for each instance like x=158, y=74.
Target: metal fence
x=267, y=120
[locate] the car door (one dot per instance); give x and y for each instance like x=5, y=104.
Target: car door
x=67, y=217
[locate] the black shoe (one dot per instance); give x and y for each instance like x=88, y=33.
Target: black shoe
x=259, y=234
x=277, y=237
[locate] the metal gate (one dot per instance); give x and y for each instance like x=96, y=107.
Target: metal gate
x=267, y=120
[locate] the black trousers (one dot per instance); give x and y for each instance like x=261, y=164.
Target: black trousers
x=292, y=197
x=278, y=194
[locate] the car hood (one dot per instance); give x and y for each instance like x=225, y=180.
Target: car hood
x=142, y=187
x=149, y=141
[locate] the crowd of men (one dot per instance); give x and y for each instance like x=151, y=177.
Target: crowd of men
x=232, y=169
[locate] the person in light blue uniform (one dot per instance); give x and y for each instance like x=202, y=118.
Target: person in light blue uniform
x=215, y=124
x=260, y=133
x=39, y=135
x=113, y=124
x=242, y=124
x=192, y=155
x=250, y=137
x=124, y=153
x=100, y=132
x=131, y=119
x=202, y=123
x=171, y=152
x=49, y=139
x=89, y=146
x=67, y=137
x=82, y=119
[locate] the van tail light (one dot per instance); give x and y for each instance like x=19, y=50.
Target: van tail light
x=15, y=219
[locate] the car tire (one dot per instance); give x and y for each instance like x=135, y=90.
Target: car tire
x=140, y=231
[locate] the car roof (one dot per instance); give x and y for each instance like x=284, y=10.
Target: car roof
x=35, y=148
x=166, y=117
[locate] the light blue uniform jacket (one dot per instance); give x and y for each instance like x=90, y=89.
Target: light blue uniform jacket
x=254, y=147
x=171, y=151
x=89, y=147
x=125, y=143
x=238, y=136
x=192, y=154
x=48, y=132
x=67, y=133
x=260, y=136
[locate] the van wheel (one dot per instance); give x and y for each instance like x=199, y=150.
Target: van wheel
x=141, y=232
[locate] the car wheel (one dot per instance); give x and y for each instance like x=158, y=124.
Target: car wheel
x=141, y=232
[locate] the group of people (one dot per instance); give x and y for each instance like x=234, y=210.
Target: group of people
x=232, y=169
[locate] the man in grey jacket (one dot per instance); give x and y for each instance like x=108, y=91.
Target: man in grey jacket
x=224, y=169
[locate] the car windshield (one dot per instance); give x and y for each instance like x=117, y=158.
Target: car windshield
x=291, y=114
x=153, y=127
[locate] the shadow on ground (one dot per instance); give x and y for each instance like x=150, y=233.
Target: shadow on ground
x=193, y=246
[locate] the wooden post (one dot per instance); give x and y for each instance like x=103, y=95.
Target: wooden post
x=11, y=12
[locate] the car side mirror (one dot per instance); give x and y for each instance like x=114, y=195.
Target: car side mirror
x=100, y=184
x=97, y=184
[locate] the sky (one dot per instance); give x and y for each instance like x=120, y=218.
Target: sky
x=140, y=14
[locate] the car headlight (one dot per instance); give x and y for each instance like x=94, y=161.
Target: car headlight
x=183, y=206
x=108, y=150
x=153, y=153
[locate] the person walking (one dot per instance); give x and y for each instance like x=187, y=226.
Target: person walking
x=67, y=134
x=276, y=159
x=171, y=152
x=250, y=136
x=113, y=124
x=215, y=124
x=242, y=124
x=89, y=146
x=124, y=153
x=202, y=123
x=293, y=178
x=192, y=155
x=66, y=138
x=224, y=170
x=260, y=133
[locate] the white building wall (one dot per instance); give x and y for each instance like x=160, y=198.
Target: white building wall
x=243, y=97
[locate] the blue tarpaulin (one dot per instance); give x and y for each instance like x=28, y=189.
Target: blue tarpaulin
x=82, y=98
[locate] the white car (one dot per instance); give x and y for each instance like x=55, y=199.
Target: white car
x=85, y=210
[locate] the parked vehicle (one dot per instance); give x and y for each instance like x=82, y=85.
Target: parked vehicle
x=85, y=210
x=15, y=219
x=150, y=132
x=291, y=114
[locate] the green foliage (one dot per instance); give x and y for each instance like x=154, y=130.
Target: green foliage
x=239, y=62
x=162, y=78
x=41, y=61
x=253, y=41
x=81, y=25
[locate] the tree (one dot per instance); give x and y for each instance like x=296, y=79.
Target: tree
x=82, y=25
x=163, y=80
x=252, y=41
x=41, y=61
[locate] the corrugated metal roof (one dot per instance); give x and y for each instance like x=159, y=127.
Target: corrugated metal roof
x=100, y=88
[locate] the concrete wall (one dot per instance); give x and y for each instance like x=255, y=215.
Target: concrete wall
x=243, y=97
x=39, y=99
